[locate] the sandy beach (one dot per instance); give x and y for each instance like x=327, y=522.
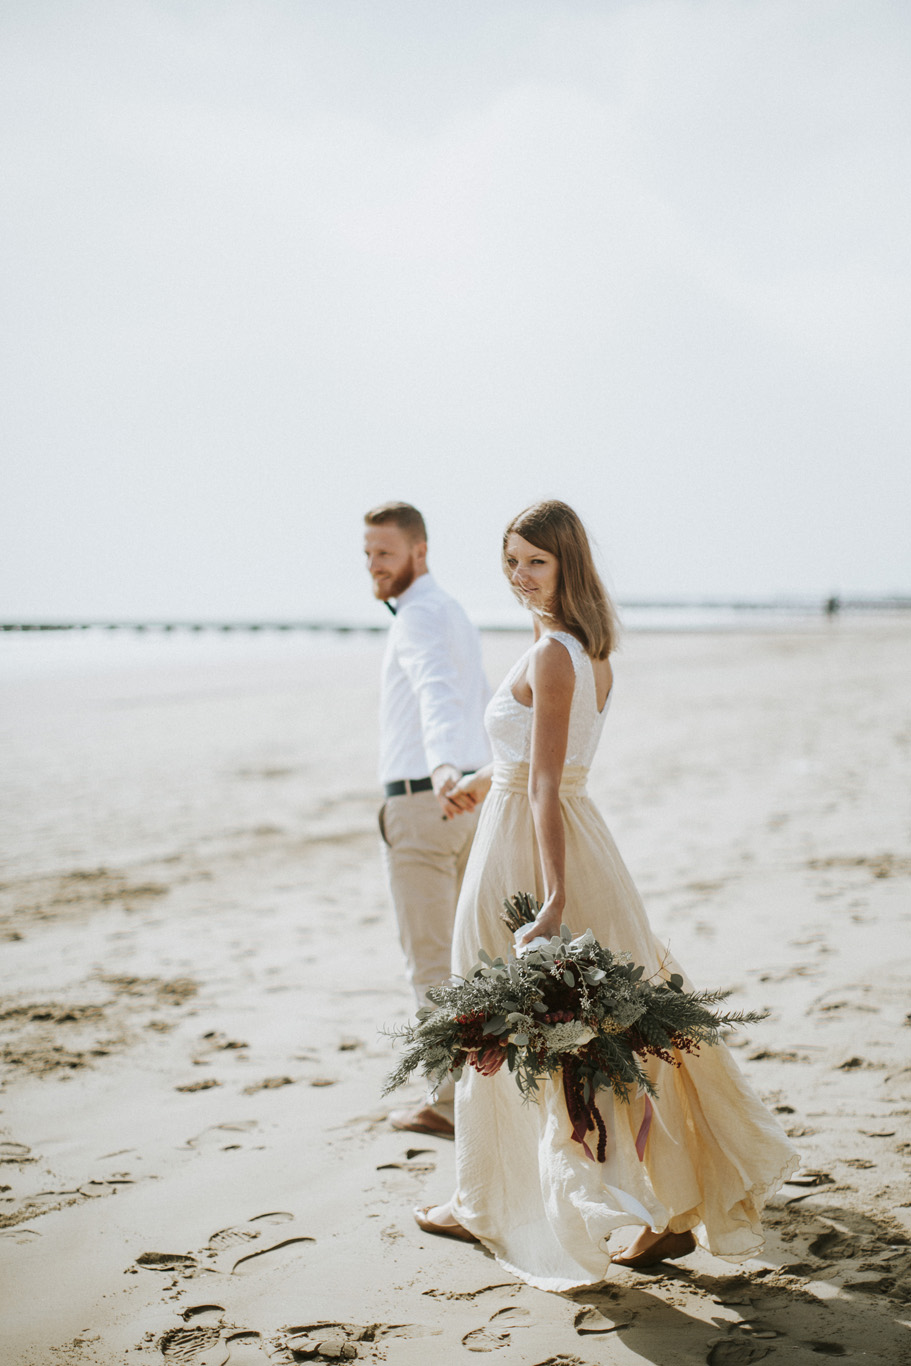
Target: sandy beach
x=198, y=958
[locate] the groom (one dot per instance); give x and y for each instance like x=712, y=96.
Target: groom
x=432, y=704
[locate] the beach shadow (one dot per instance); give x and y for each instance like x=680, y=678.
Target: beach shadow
x=839, y=1286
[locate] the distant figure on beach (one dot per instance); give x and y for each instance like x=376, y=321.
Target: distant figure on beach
x=700, y=1160
x=431, y=733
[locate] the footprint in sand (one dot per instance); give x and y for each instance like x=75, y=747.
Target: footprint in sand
x=92, y=1189
x=268, y=1257
x=230, y=1237
x=513, y=1316
x=198, y=1346
x=809, y=1176
x=833, y=1244
x=211, y=1315
x=268, y=1084
x=416, y=1161
x=259, y=1227
x=246, y=1233
x=209, y=1346
x=19, y=1235
x=245, y=1348
x=224, y=1136
x=591, y=1320
x=734, y=1290
x=249, y=1232
x=338, y=1341
x=736, y=1353
x=167, y=1261
x=562, y=1361
x=44, y=1202
x=470, y=1294
x=15, y=1152
x=496, y=1333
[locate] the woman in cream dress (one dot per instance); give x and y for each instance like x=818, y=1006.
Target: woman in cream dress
x=698, y=1162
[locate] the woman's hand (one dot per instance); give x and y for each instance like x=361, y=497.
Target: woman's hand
x=548, y=921
x=467, y=793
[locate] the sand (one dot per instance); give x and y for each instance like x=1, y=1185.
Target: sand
x=198, y=956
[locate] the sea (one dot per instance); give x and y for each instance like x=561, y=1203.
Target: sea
x=45, y=648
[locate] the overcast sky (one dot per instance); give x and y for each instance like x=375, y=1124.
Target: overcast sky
x=264, y=263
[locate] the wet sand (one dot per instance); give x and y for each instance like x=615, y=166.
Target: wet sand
x=198, y=955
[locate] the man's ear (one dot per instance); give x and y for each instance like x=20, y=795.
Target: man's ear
x=419, y=550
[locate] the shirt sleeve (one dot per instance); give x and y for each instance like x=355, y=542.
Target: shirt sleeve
x=426, y=654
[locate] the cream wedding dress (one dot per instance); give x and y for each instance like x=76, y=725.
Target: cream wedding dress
x=711, y=1152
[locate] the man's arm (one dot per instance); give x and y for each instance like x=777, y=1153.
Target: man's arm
x=426, y=654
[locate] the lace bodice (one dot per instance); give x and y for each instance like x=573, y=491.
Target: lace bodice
x=509, y=723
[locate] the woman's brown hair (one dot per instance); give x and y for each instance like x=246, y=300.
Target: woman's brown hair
x=582, y=603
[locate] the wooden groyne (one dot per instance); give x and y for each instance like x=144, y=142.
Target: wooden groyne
x=752, y=611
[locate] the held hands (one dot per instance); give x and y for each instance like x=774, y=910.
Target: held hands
x=549, y=919
x=456, y=794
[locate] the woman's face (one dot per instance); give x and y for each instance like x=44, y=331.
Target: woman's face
x=534, y=573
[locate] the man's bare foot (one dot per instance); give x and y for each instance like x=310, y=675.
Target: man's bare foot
x=423, y=1120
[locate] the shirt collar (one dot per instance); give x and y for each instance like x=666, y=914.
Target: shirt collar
x=415, y=590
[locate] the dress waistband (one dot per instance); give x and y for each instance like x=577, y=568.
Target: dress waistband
x=514, y=778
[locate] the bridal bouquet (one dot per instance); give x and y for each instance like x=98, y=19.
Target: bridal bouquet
x=568, y=1004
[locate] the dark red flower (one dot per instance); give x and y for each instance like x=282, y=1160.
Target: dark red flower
x=489, y=1060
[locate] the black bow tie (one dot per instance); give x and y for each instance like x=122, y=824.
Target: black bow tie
x=389, y=605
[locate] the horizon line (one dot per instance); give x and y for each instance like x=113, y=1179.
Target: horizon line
x=827, y=606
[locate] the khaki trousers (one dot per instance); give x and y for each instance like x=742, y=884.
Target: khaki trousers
x=425, y=858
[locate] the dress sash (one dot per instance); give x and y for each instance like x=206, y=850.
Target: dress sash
x=514, y=778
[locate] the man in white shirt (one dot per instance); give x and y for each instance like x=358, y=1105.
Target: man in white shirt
x=431, y=732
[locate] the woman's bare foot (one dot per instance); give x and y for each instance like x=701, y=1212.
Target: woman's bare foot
x=440, y=1220
x=443, y=1215
x=648, y=1248
x=644, y=1240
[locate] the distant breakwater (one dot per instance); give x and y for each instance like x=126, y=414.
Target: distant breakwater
x=691, y=613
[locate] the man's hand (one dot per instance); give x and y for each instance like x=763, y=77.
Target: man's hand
x=444, y=778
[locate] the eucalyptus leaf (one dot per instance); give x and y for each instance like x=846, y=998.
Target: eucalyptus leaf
x=606, y=994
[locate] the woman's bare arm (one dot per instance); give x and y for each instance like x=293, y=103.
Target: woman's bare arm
x=552, y=680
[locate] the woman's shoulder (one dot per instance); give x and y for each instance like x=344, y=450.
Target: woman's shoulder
x=565, y=643
x=552, y=659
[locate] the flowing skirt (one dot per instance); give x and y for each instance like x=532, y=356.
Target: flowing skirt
x=711, y=1153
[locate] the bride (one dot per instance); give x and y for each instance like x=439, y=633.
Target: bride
x=698, y=1163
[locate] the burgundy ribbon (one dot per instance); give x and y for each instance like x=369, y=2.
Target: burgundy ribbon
x=644, y=1128
x=584, y=1120
x=580, y=1129
x=581, y=1119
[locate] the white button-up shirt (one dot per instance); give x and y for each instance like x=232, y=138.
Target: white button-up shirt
x=433, y=687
